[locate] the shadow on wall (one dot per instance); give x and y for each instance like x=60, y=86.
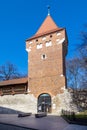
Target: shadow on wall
x=4, y=110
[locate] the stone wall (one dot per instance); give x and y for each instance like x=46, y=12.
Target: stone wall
x=63, y=101
x=69, y=100
x=28, y=103
x=79, y=98
x=18, y=103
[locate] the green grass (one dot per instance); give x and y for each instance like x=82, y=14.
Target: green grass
x=83, y=113
x=79, y=117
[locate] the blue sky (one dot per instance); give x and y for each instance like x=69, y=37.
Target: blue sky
x=20, y=19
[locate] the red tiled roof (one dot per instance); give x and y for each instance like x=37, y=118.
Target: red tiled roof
x=14, y=81
x=48, y=26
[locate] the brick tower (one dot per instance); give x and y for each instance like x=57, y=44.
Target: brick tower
x=46, y=59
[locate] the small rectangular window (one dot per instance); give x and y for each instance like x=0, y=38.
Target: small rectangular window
x=48, y=43
x=39, y=46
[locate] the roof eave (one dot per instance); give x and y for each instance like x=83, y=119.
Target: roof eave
x=16, y=81
x=13, y=84
x=46, y=33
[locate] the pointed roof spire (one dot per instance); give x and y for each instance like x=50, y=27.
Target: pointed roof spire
x=48, y=10
x=47, y=26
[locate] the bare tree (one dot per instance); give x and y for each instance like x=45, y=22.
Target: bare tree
x=83, y=46
x=83, y=55
x=73, y=68
x=9, y=71
x=77, y=67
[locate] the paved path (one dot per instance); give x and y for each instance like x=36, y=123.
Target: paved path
x=46, y=123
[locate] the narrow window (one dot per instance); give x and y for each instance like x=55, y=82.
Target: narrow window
x=43, y=56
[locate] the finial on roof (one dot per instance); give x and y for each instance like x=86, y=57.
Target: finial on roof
x=48, y=10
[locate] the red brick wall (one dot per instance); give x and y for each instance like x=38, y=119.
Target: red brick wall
x=44, y=75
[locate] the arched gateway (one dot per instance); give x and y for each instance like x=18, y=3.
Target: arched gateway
x=44, y=103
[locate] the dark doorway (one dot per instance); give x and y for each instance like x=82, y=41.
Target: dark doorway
x=44, y=103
